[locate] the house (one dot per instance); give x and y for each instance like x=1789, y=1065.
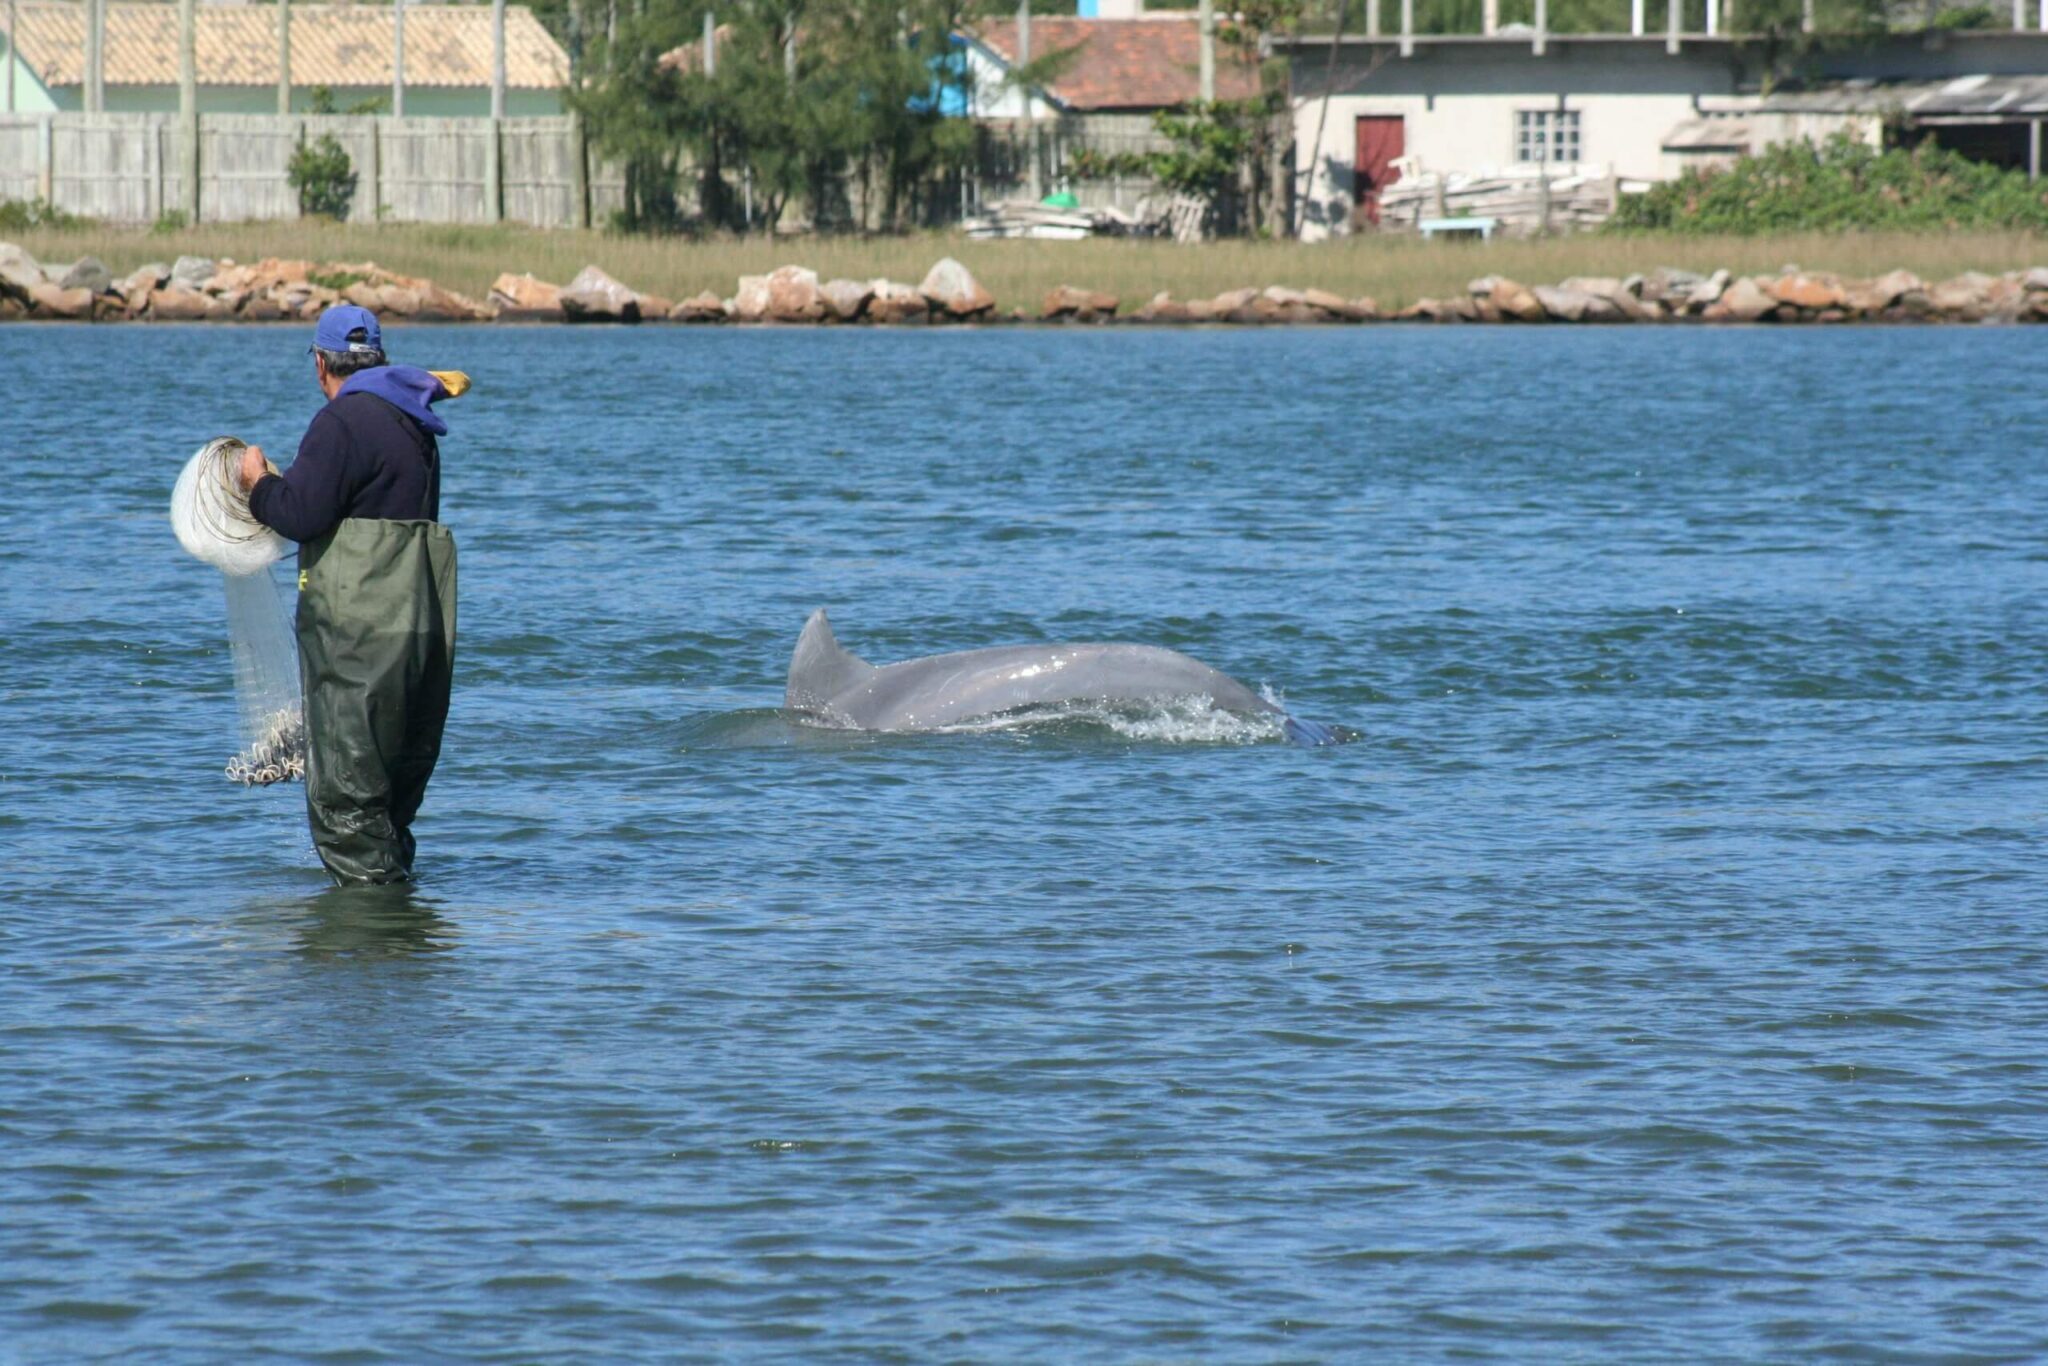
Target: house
x=345, y=48
x=1117, y=66
x=1371, y=109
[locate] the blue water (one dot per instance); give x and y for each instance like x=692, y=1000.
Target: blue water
x=1659, y=975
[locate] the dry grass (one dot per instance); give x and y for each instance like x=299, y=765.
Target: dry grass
x=1393, y=270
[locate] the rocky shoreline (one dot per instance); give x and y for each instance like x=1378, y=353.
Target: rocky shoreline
x=198, y=289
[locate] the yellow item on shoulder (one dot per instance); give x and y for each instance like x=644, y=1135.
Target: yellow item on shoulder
x=454, y=381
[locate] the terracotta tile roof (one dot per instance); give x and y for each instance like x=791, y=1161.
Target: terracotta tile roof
x=337, y=45
x=1123, y=63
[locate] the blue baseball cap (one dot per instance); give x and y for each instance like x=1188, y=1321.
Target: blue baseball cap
x=338, y=326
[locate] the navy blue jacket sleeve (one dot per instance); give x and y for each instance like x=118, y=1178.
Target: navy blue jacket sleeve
x=306, y=501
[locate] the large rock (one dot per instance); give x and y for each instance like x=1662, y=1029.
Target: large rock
x=950, y=288
x=1232, y=301
x=54, y=301
x=1815, y=291
x=522, y=294
x=178, y=304
x=1163, y=308
x=1082, y=305
x=1669, y=284
x=1745, y=301
x=845, y=300
x=702, y=307
x=1516, y=300
x=897, y=303
x=1966, y=297
x=143, y=279
x=1707, y=292
x=1565, y=305
x=750, y=300
x=88, y=273
x=18, y=270
x=1595, y=286
x=193, y=271
x=1334, y=307
x=595, y=297
x=793, y=295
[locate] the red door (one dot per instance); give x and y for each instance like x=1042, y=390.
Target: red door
x=1381, y=138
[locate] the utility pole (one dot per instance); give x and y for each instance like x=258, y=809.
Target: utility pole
x=494, y=189
x=397, y=59
x=710, y=45
x=10, y=56
x=1206, y=22
x=1034, y=186
x=188, y=104
x=95, y=56
x=284, y=56
x=497, y=59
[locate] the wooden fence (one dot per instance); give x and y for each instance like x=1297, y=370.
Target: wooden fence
x=130, y=168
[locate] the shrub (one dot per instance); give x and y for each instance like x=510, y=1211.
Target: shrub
x=324, y=177
x=1839, y=185
x=21, y=215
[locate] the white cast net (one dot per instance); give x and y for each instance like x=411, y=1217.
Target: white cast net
x=210, y=514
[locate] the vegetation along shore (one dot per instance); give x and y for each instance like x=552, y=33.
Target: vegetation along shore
x=234, y=273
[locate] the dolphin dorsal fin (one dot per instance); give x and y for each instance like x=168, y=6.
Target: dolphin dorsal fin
x=820, y=670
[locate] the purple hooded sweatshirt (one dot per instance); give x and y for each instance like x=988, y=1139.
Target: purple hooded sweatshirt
x=369, y=453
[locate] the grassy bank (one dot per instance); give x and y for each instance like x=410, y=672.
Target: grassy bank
x=1394, y=271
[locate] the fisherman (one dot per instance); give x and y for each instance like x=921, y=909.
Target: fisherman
x=376, y=619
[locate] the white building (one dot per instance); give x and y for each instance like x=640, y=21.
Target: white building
x=1630, y=107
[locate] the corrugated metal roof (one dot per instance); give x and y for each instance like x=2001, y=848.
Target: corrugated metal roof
x=336, y=45
x=1709, y=135
x=1965, y=96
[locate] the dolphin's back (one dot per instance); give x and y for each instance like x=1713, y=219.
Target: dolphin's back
x=820, y=670
x=942, y=690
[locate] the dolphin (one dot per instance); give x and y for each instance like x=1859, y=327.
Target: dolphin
x=942, y=690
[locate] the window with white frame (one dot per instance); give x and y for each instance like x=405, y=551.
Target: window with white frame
x=1546, y=135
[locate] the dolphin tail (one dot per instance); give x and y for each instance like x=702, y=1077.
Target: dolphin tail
x=1308, y=734
x=820, y=670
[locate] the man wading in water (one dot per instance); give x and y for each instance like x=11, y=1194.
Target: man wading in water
x=376, y=593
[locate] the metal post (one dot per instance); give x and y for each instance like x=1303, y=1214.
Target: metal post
x=494, y=168
x=579, y=171
x=1206, y=16
x=710, y=44
x=1372, y=18
x=397, y=59
x=284, y=56
x=1671, y=25
x=2019, y=15
x=95, y=56
x=1806, y=17
x=1032, y=184
x=497, y=59
x=2034, y=150
x=46, y=159
x=1543, y=25
x=1713, y=17
x=1635, y=17
x=1407, y=28
x=188, y=106
x=10, y=54
x=1489, y=17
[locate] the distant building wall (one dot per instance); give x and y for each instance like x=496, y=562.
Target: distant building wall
x=1460, y=107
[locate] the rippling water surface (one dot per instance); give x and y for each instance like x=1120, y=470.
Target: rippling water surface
x=1659, y=974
